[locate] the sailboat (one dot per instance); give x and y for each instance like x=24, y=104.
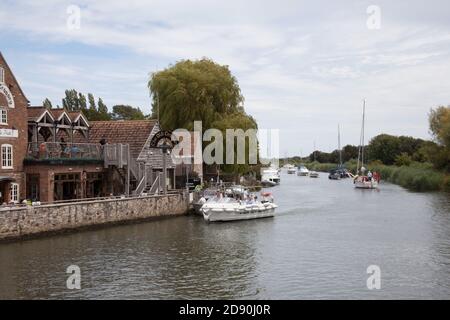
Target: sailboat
x=362, y=181
x=340, y=171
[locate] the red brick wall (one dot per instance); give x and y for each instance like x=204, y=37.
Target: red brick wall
x=17, y=119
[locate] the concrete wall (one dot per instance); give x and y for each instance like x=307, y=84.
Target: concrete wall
x=16, y=223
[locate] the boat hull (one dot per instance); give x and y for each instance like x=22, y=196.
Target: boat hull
x=225, y=216
x=366, y=184
x=235, y=213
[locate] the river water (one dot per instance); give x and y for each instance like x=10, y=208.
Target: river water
x=319, y=246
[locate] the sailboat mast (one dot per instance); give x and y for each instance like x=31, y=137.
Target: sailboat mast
x=339, y=146
x=362, y=133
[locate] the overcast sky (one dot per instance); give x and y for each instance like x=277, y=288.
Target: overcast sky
x=303, y=66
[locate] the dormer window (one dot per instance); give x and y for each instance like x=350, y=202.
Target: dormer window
x=2, y=75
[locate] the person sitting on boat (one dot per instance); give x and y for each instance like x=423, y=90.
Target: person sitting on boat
x=369, y=175
x=202, y=200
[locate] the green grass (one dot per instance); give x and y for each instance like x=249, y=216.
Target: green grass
x=323, y=167
x=416, y=177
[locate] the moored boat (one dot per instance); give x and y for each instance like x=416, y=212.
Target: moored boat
x=313, y=174
x=270, y=176
x=231, y=209
x=369, y=181
x=302, y=171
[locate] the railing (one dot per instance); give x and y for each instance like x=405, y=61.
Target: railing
x=63, y=150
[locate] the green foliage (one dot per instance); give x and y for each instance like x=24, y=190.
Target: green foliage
x=403, y=159
x=194, y=90
x=416, y=176
x=238, y=120
x=387, y=148
x=47, y=104
x=439, y=119
x=76, y=101
x=125, y=112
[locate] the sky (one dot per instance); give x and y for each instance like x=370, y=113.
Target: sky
x=303, y=66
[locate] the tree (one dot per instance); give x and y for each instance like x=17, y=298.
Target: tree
x=102, y=111
x=47, y=104
x=71, y=102
x=238, y=120
x=125, y=112
x=439, y=119
x=82, y=101
x=439, y=153
x=194, y=90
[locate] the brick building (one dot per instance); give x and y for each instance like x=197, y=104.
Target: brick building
x=13, y=136
x=52, y=155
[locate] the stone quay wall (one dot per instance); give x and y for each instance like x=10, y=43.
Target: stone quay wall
x=23, y=222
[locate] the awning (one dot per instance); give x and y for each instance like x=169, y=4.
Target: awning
x=6, y=179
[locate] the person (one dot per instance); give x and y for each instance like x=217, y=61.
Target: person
x=369, y=175
x=63, y=144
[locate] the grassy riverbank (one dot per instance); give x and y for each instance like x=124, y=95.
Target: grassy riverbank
x=416, y=176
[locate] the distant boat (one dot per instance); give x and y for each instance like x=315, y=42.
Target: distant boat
x=270, y=176
x=302, y=171
x=313, y=174
x=364, y=181
x=292, y=170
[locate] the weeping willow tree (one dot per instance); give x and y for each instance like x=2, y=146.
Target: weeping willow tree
x=189, y=91
x=200, y=90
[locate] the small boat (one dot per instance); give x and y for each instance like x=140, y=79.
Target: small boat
x=362, y=181
x=270, y=176
x=292, y=170
x=334, y=175
x=231, y=209
x=302, y=171
x=313, y=174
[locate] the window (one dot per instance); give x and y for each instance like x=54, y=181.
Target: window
x=3, y=115
x=7, y=156
x=2, y=75
x=14, y=193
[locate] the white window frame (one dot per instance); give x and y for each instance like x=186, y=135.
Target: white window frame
x=7, y=163
x=14, y=193
x=2, y=75
x=3, y=114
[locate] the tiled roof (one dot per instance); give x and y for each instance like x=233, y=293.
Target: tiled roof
x=34, y=113
x=132, y=132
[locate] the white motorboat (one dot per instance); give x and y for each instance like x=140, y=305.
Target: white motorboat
x=270, y=176
x=204, y=197
x=292, y=170
x=313, y=174
x=302, y=171
x=230, y=209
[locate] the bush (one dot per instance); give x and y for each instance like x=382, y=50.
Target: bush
x=403, y=160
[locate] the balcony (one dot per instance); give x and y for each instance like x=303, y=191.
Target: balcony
x=62, y=152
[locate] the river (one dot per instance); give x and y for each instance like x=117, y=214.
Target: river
x=318, y=246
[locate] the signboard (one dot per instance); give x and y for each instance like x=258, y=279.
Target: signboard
x=162, y=136
x=7, y=93
x=9, y=133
